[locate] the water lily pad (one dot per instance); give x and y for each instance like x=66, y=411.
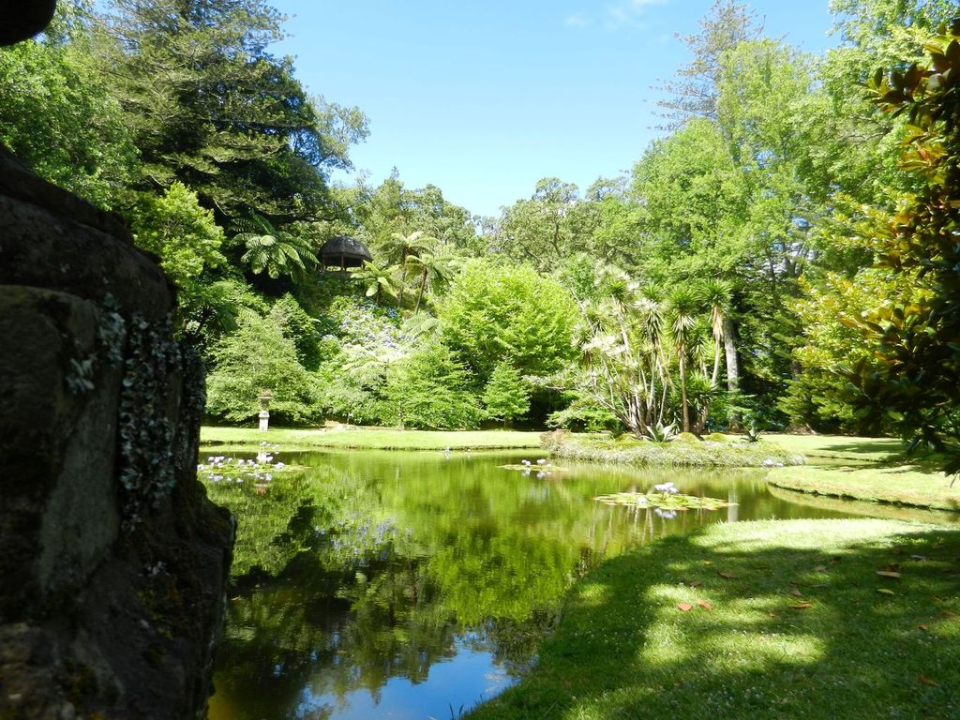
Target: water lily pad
x=663, y=501
x=548, y=468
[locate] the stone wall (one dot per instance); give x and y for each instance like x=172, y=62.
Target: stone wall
x=113, y=562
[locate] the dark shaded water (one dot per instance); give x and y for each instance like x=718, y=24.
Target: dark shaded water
x=414, y=585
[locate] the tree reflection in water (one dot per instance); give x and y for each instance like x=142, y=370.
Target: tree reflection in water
x=371, y=568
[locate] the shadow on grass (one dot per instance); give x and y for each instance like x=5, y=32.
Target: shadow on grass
x=871, y=447
x=753, y=647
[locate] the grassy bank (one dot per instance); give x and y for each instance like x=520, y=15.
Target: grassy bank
x=903, y=484
x=783, y=619
x=859, y=508
x=627, y=450
x=239, y=439
x=839, y=447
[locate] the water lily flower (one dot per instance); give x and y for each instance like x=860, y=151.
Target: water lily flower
x=667, y=488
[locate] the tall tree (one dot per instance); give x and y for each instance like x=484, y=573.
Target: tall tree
x=58, y=113
x=917, y=344
x=210, y=106
x=694, y=91
x=184, y=236
x=552, y=225
x=393, y=208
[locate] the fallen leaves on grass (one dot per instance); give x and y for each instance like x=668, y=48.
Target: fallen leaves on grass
x=684, y=607
x=884, y=591
x=796, y=593
x=728, y=575
x=888, y=574
x=924, y=627
x=927, y=681
x=801, y=606
x=704, y=604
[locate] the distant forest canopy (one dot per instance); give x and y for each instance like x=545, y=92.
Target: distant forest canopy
x=738, y=275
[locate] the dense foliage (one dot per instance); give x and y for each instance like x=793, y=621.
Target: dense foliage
x=915, y=374
x=769, y=260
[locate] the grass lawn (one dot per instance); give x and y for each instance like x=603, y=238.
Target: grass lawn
x=839, y=447
x=903, y=484
x=366, y=439
x=773, y=619
x=861, y=508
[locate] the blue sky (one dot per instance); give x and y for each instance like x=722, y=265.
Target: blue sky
x=483, y=98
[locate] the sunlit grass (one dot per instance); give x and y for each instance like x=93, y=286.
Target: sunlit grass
x=784, y=620
x=841, y=447
x=367, y=439
x=904, y=484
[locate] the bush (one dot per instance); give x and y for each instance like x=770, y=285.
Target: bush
x=494, y=314
x=300, y=328
x=259, y=356
x=428, y=390
x=583, y=415
x=506, y=397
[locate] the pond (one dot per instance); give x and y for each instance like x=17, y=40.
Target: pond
x=415, y=585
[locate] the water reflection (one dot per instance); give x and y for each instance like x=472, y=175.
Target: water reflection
x=376, y=584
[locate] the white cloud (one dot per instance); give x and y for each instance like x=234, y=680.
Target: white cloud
x=577, y=20
x=628, y=13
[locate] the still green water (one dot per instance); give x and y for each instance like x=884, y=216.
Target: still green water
x=414, y=585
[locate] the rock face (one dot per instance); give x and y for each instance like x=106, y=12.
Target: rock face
x=113, y=563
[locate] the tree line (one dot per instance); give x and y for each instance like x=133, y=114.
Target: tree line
x=772, y=260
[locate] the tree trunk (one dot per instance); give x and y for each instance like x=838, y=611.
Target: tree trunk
x=423, y=286
x=730, y=347
x=733, y=369
x=403, y=279
x=683, y=396
x=716, y=363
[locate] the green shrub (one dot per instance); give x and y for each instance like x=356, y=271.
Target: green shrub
x=428, y=389
x=259, y=356
x=506, y=397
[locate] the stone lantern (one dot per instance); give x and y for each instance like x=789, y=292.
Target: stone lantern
x=265, y=397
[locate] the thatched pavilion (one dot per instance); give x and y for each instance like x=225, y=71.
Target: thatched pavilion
x=344, y=252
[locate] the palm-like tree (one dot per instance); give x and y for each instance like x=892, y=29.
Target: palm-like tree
x=401, y=247
x=271, y=249
x=622, y=344
x=379, y=279
x=435, y=267
x=683, y=309
x=716, y=294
